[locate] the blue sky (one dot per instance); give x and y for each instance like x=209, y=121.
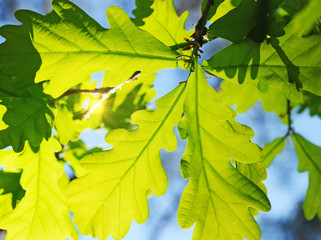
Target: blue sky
x=286, y=187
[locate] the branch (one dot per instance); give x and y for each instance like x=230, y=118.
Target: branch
x=98, y=90
x=200, y=30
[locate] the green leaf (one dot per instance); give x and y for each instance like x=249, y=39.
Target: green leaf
x=256, y=173
x=261, y=64
x=223, y=7
x=309, y=160
x=5, y=204
x=119, y=179
x=27, y=119
x=306, y=20
x=311, y=102
x=237, y=23
x=271, y=150
x=213, y=8
x=165, y=25
x=143, y=10
x=19, y=61
x=68, y=129
x=72, y=46
x=217, y=196
x=42, y=213
x=9, y=182
x=248, y=17
x=244, y=96
x=74, y=153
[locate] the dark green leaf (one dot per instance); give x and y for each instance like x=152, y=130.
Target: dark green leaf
x=27, y=119
x=143, y=10
x=10, y=183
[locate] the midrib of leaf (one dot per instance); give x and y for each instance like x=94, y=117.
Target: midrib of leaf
x=37, y=197
x=307, y=154
x=196, y=93
x=130, y=54
x=272, y=149
x=142, y=151
x=103, y=45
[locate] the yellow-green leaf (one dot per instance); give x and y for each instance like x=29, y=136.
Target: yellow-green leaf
x=72, y=46
x=217, y=196
x=119, y=179
x=271, y=150
x=296, y=63
x=42, y=213
x=309, y=160
x=165, y=25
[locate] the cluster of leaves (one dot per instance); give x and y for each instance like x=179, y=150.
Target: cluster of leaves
x=47, y=60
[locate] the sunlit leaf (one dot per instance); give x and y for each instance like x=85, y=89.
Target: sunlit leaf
x=10, y=183
x=299, y=64
x=42, y=213
x=271, y=150
x=309, y=160
x=217, y=196
x=72, y=46
x=165, y=25
x=119, y=179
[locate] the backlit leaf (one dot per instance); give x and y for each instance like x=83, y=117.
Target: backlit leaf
x=165, y=25
x=260, y=64
x=309, y=160
x=10, y=183
x=119, y=179
x=42, y=213
x=217, y=196
x=271, y=150
x=72, y=46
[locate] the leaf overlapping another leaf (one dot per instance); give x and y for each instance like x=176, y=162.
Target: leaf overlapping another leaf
x=27, y=119
x=261, y=64
x=217, y=196
x=118, y=179
x=42, y=213
x=72, y=46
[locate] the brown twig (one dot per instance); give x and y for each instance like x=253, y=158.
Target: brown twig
x=200, y=29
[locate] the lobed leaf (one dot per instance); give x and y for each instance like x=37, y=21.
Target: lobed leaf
x=143, y=10
x=309, y=160
x=72, y=46
x=10, y=183
x=246, y=95
x=290, y=64
x=42, y=213
x=119, y=179
x=217, y=196
x=165, y=25
x=27, y=119
x=19, y=61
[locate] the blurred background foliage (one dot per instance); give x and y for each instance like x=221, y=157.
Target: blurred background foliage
x=286, y=187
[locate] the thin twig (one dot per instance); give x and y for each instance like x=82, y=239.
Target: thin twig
x=97, y=90
x=289, y=109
